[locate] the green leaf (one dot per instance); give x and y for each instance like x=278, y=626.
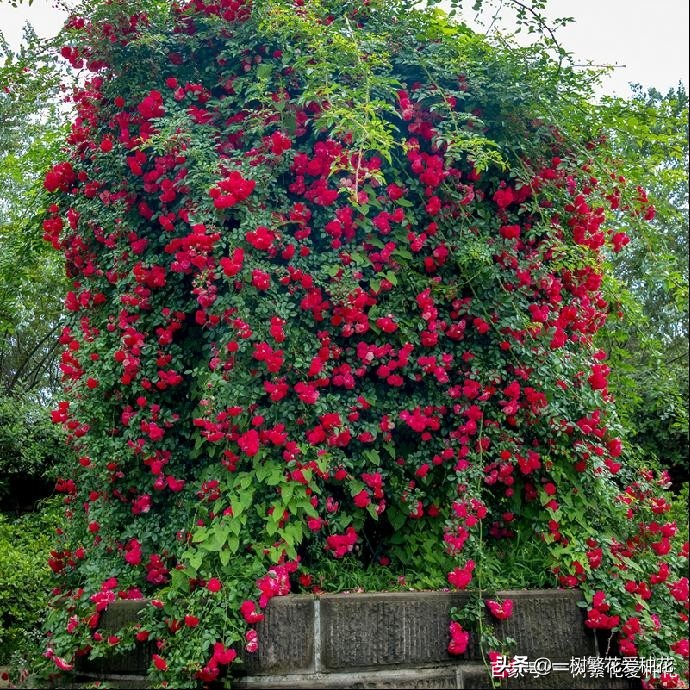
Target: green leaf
x=195, y=559
x=396, y=517
x=264, y=70
x=179, y=579
x=286, y=493
x=372, y=456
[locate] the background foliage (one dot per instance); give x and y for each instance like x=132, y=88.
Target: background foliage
x=25, y=545
x=31, y=277
x=649, y=347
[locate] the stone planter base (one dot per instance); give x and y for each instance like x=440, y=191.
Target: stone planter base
x=387, y=640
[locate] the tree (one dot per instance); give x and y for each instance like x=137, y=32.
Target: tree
x=32, y=279
x=649, y=348
x=32, y=131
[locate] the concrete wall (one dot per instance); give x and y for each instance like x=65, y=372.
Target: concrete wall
x=388, y=640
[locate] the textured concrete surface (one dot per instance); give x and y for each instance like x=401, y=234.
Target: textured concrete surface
x=440, y=678
x=383, y=640
x=375, y=630
x=548, y=624
x=135, y=662
x=121, y=613
x=286, y=638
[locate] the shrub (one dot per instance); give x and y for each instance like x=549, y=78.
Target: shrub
x=336, y=275
x=25, y=544
x=32, y=453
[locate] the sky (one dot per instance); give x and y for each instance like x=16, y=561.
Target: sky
x=648, y=40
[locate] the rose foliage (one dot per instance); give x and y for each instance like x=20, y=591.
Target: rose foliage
x=336, y=270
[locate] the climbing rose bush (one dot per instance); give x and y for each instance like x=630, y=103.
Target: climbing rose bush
x=336, y=272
